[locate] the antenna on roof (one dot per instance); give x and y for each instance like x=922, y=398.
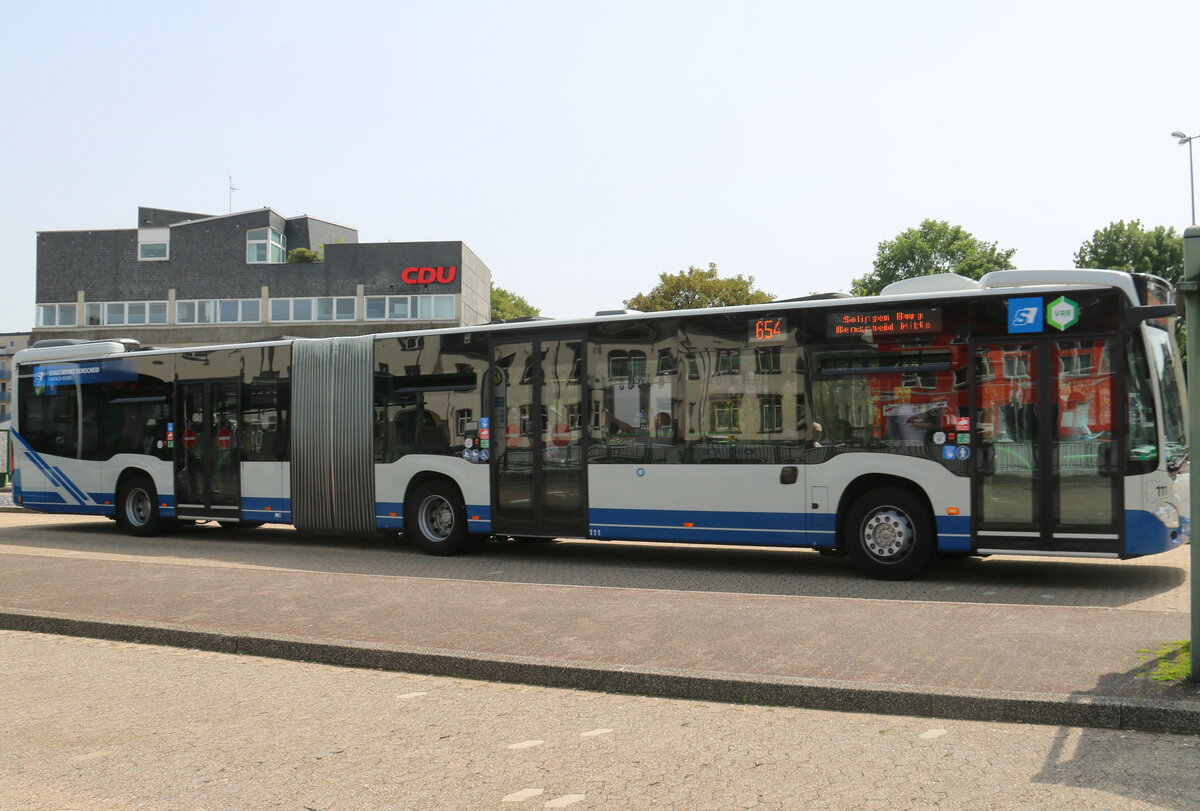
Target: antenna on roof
x=232, y=189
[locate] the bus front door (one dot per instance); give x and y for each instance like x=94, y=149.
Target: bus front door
x=208, y=453
x=538, y=438
x=1046, y=470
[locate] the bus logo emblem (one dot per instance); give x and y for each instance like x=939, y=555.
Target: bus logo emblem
x=1062, y=313
x=1025, y=314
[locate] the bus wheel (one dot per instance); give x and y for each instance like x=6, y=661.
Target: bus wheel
x=435, y=517
x=889, y=534
x=137, y=507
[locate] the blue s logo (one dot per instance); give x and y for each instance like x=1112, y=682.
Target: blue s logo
x=1025, y=315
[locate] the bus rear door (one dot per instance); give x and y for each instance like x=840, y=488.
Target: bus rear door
x=538, y=438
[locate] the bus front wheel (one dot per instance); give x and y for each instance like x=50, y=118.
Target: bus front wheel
x=137, y=507
x=436, y=518
x=889, y=534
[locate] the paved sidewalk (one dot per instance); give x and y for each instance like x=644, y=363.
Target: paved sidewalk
x=1069, y=665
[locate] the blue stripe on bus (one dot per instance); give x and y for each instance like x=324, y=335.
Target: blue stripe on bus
x=42, y=497
x=954, y=533
x=55, y=475
x=479, y=516
x=267, y=510
x=1146, y=535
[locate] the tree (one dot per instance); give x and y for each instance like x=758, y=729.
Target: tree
x=695, y=288
x=935, y=246
x=303, y=256
x=506, y=305
x=1121, y=246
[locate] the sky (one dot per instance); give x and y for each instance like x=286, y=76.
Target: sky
x=580, y=150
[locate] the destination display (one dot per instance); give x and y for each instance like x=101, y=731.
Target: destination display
x=914, y=321
x=767, y=330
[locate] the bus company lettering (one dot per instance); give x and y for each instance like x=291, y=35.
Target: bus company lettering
x=429, y=275
x=885, y=322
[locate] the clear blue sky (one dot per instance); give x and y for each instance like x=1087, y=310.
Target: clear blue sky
x=582, y=149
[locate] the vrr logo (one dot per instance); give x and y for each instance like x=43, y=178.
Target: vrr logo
x=1062, y=313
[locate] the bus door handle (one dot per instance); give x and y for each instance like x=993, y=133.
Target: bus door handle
x=789, y=474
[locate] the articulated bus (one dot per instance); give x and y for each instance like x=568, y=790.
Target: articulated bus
x=1027, y=413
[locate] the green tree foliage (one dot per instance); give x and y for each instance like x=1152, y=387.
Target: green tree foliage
x=695, y=288
x=303, y=256
x=506, y=305
x=1122, y=246
x=935, y=246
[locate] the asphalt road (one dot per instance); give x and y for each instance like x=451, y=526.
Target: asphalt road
x=96, y=724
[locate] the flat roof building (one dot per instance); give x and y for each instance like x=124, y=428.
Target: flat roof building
x=10, y=344
x=183, y=278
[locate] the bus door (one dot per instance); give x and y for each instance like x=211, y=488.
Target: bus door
x=538, y=437
x=208, y=456
x=1046, y=471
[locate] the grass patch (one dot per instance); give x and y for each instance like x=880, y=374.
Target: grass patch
x=1172, y=662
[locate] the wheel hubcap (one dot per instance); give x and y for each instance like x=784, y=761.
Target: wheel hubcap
x=137, y=507
x=436, y=517
x=888, y=534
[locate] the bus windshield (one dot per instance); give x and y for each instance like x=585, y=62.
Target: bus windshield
x=1166, y=363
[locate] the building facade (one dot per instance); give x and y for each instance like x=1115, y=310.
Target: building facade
x=10, y=344
x=182, y=278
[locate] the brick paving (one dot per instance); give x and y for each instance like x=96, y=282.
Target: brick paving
x=1032, y=626
x=99, y=724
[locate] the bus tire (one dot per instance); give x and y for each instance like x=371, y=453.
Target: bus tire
x=889, y=534
x=137, y=507
x=436, y=518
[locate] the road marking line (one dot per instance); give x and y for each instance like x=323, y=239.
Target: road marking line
x=414, y=695
x=522, y=795
x=565, y=800
x=932, y=733
x=525, y=744
x=594, y=732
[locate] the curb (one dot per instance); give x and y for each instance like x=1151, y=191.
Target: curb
x=1109, y=712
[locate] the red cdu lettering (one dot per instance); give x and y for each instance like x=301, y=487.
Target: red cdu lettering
x=429, y=275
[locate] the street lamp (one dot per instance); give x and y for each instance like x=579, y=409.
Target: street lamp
x=1187, y=139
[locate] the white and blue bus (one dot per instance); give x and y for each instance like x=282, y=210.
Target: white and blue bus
x=1028, y=413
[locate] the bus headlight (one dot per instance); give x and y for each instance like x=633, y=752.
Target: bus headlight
x=1168, y=514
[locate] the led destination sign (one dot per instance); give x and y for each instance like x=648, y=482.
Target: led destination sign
x=885, y=322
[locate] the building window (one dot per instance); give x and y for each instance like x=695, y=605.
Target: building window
x=150, y=251
x=766, y=360
x=232, y=311
x=312, y=309
x=725, y=415
x=404, y=308
x=461, y=420
x=153, y=244
x=56, y=315
x=770, y=413
x=227, y=311
x=729, y=362
x=265, y=245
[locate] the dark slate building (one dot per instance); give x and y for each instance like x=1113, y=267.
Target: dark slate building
x=182, y=278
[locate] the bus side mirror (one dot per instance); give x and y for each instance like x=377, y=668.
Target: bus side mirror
x=1136, y=315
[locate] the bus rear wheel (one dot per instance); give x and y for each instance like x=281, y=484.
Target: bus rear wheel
x=889, y=534
x=435, y=517
x=137, y=507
